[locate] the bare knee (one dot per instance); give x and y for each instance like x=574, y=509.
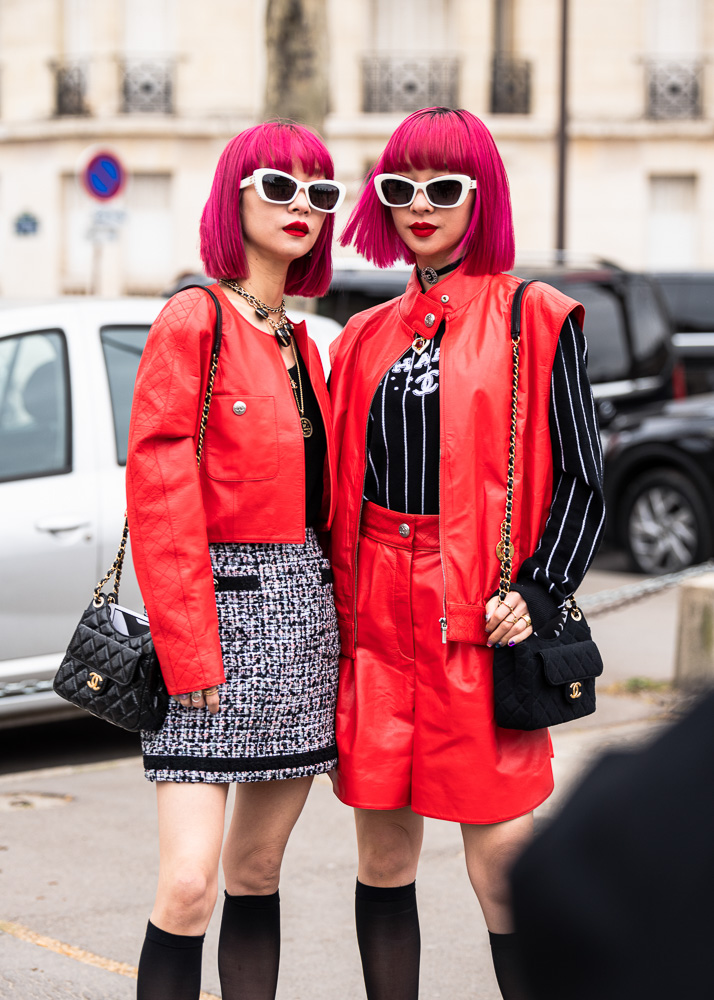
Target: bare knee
x=185, y=900
x=254, y=872
x=388, y=854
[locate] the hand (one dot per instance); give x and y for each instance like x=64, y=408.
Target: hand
x=208, y=698
x=508, y=621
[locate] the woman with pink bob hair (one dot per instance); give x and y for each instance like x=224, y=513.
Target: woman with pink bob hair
x=237, y=588
x=421, y=389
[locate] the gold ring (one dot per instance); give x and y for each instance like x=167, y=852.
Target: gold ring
x=527, y=620
x=508, y=606
x=511, y=621
x=210, y=690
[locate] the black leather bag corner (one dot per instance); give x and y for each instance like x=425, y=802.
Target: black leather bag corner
x=544, y=682
x=113, y=676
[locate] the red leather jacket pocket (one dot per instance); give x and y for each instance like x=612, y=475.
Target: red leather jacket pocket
x=241, y=438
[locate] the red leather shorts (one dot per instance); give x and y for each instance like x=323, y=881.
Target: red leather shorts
x=415, y=715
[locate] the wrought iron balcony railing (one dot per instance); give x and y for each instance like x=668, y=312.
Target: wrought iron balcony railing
x=407, y=83
x=70, y=89
x=510, y=86
x=674, y=88
x=147, y=85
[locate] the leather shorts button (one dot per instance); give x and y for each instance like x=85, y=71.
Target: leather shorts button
x=429, y=319
x=404, y=530
x=239, y=408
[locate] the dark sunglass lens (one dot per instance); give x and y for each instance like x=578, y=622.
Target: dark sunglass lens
x=444, y=193
x=324, y=195
x=397, y=192
x=278, y=188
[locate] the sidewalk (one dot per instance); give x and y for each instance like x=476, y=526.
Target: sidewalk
x=78, y=863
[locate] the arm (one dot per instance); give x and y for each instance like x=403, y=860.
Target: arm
x=165, y=506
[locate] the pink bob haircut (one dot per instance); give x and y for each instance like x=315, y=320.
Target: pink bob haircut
x=456, y=142
x=272, y=144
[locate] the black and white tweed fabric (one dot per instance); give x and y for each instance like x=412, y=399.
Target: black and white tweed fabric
x=280, y=649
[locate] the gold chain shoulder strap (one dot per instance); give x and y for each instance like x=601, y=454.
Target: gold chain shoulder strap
x=116, y=567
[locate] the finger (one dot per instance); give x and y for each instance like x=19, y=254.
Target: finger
x=504, y=619
x=523, y=634
x=197, y=699
x=213, y=702
x=184, y=700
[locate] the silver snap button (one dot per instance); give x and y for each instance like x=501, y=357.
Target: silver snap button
x=429, y=319
x=404, y=530
x=239, y=408
x=444, y=298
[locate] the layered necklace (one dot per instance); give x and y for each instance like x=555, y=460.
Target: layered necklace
x=283, y=331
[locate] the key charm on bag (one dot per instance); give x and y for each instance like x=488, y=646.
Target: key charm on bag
x=111, y=668
x=539, y=682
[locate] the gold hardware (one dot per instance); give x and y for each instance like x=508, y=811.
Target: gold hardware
x=575, y=690
x=419, y=344
x=501, y=550
x=95, y=681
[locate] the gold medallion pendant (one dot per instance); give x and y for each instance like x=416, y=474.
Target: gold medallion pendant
x=306, y=427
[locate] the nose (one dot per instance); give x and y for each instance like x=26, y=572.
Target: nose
x=420, y=204
x=300, y=204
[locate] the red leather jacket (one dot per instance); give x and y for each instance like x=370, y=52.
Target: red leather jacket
x=475, y=367
x=251, y=482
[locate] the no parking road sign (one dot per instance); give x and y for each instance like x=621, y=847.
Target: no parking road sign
x=103, y=176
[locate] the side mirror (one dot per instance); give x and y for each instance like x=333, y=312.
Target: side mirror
x=606, y=412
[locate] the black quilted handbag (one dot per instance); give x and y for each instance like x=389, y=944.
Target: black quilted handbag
x=111, y=668
x=540, y=682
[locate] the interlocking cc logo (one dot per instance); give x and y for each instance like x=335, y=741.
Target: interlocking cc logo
x=95, y=681
x=575, y=691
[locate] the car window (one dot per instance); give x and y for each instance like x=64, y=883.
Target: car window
x=35, y=419
x=691, y=302
x=649, y=324
x=605, y=328
x=122, y=346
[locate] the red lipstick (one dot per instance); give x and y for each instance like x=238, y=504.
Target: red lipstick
x=296, y=229
x=422, y=229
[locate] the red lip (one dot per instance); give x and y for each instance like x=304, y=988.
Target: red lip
x=296, y=229
x=422, y=229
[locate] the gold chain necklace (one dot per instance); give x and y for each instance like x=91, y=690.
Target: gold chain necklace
x=282, y=328
x=300, y=403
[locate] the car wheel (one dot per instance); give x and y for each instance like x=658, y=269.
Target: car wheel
x=665, y=523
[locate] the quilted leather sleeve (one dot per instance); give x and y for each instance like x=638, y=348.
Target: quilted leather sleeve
x=166, y=513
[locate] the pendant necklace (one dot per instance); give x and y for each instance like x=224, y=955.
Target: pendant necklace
x=431, y=275
x=282, y=328
x=299, y=401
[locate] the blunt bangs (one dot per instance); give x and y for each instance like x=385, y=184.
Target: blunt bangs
x=455, y=141
x=272, y=144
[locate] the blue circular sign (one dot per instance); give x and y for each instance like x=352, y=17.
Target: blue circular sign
x=104, y=176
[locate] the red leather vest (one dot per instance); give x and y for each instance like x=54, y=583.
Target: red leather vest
x=475, y=368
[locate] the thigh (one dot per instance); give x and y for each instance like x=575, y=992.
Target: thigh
x=389, y=843
x=191, y=823
x=263, y=818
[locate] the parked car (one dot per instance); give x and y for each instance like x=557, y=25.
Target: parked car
x=631, y=356
x=690, y=299
x=659, y=483
x=67, y=371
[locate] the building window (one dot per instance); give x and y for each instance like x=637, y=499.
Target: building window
x=510, y=86
x=674, y=88
x=147, y=86
x=71, y=89
x=399, y=84
x=673, y=224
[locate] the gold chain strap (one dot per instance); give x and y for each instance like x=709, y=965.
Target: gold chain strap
x=504, y=549
x=118, y=564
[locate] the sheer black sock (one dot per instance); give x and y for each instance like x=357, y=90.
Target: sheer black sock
x=507, y=965
x=249, y=947
x=170, y=966
x=389, y=941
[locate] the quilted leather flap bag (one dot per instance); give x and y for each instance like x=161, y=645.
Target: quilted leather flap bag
x=539, y=682
x=110, y=671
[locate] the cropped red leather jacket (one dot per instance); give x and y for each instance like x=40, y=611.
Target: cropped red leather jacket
x=475, y=378
x=251, y=483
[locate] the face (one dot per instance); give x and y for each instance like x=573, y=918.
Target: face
x=432, y=234
x=280, y=232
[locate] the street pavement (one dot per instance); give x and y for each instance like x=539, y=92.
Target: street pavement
x=78, y=855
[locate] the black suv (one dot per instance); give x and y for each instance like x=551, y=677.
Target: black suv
x=690, y=299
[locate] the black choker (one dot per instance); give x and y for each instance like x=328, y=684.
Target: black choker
x=431, y=276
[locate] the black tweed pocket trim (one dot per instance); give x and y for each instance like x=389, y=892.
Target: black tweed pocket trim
x=159, y=762
x=326, y=575
x=225, y=584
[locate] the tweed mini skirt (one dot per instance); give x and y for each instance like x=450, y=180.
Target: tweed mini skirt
x=280, y=648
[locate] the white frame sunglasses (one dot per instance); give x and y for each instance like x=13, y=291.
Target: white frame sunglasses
x=256, y=179
x=467, y=184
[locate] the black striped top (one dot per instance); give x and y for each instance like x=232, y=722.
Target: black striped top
x=403, y=463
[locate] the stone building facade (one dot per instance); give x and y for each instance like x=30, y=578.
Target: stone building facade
x=163, y=84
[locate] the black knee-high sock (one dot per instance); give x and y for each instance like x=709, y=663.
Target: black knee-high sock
x=389, y=941
x=170, y=966
x=249, y=947
x=507, y=966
